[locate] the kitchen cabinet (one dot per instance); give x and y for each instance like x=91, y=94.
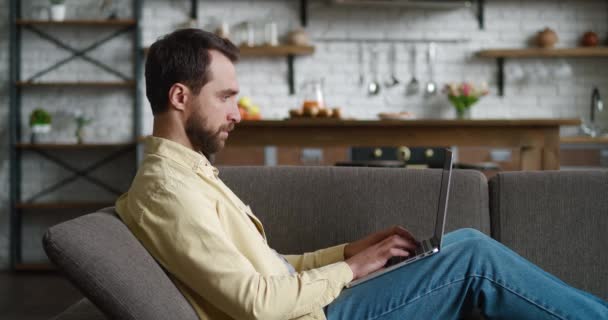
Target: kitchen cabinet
x=583, y=152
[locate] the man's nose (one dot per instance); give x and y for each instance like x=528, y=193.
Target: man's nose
x=234, y=115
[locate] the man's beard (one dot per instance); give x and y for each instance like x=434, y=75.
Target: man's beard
x=203, y=139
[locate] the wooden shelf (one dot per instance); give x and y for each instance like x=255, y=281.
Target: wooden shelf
x=271, y=51
x=79, y=22
x=545, y=53
x=73, y=146
x=98, y=84
x=501, y=54
x=34, y=267
x=583, y=140
x=276, y=51
x=63, y=205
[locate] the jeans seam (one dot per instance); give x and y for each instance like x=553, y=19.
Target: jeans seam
x=463, y=279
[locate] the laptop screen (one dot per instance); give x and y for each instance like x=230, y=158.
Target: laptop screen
x=442, y=206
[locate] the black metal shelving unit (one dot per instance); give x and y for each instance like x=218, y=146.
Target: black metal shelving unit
x=52, y=152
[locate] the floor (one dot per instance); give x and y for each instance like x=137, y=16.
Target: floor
x=34, y=295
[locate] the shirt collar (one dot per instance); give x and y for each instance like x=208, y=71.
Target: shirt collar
x=179, y=153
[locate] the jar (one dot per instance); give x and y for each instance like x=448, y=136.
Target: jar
x=547, y=38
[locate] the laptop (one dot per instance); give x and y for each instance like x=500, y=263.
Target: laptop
x=427, y=247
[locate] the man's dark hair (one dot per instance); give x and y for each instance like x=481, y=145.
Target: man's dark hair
x=182, y=56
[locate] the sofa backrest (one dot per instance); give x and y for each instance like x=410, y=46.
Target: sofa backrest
x=302, y=209
x=558, y=220
x=111, y=268
x=307, y=208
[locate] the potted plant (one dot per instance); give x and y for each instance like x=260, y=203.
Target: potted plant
x=57, y=10
x=40, y=123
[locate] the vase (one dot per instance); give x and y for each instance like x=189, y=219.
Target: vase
x=57, y=12
x=463, y=113
x=80, y=135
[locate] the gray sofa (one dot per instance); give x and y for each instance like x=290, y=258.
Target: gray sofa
x=558, y=220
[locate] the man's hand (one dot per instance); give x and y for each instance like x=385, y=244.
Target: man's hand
x=375, y=257
x=354, y=248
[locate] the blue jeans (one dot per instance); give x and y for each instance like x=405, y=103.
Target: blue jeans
x=472, y=271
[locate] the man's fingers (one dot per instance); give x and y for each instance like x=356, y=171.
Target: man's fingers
x=396, y=252
x=396, y=241
x=403, y=233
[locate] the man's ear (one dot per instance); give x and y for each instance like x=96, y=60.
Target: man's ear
x=178, y=96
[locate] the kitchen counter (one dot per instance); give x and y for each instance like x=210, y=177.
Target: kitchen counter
x=538, y=139
x=574, y=140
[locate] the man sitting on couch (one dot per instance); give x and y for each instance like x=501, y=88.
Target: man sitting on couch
x=215, y=249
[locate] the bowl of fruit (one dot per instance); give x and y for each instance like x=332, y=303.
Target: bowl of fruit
x=312, y=109
x=248, y=110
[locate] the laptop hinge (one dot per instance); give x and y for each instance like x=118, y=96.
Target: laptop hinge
x=435, y=242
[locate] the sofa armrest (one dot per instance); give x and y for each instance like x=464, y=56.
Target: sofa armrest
x=81, y=310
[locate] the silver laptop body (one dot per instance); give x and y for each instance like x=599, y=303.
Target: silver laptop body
x=427, y=247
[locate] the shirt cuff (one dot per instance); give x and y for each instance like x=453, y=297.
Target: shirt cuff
x=331, y=255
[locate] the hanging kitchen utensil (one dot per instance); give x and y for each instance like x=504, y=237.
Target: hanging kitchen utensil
x=392, y=60
x=373, y=88
x=413, y=87
x=431, y=86
x=361, y=64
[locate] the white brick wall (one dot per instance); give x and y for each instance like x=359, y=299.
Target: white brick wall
x=509, y=23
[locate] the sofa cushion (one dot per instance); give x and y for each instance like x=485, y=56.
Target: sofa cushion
x=307, y=208
x=558, y=220
x=111, y=268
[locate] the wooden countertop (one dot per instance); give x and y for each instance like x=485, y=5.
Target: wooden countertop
x=583, y=140
x=411, y=123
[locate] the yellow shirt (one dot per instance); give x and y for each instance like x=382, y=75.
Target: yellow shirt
x=215, y=249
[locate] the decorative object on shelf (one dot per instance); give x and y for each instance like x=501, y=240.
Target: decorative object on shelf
x=248, y=110
x=595, y=125
x=547, y=38
x=244, y=34
x=590, y=39
x=298, y=37
x=40, y=123
x=57, y=10
x=81, y=121
x=463, y=96
x=108, y=9
x=271, y=34
x=223, y=30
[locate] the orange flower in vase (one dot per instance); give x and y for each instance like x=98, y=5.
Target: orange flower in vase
x=464, y=95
